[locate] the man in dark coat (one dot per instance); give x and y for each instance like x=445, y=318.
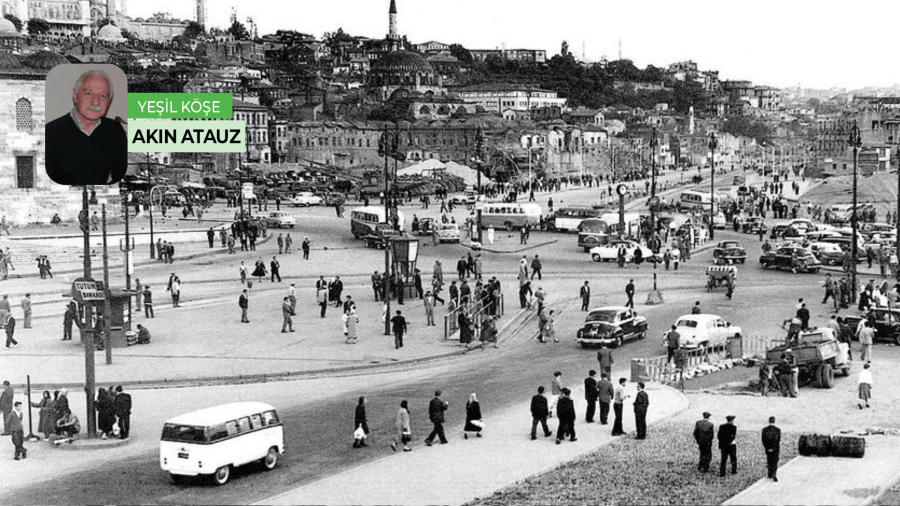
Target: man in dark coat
x=803, y=315
x=590, y=395
x=728, y=445
x=461, y=268
x=629, y=291
x=641, y=403
x=605, y=358
x=338, y=287
x=703, y=435
x=539, y=412
x=274, y=268
x=6, y=404
x=771, y=440
x=605, y=393
x=244, y=304
x=585, y=296
x=565, y=410
x=436, y=409
x=123, y=412
x=211, y=237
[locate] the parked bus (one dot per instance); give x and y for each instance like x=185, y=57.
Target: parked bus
x=567, y=219
x=592, y=232
x=632, y=224
x=510, y=215
x=364, y=219
x=696, y=200
x=212, y=441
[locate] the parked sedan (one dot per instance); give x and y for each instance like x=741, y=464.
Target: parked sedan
x=753, y=225
x=730, y=251
x=793, y=258
x=828, y=253
x=280, y=219
x=611, y=325
x=306, y=199
x=609, y=252
x=703, y=330
x=887, y=324
x=447, y=232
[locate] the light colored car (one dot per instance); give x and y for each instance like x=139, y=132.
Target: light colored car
x=447, y=232
x=609, y=252
x=804, y=225
x=719, y=221
x=465, y=199
x=280, y=219
x=703, y=330
x=306, y=199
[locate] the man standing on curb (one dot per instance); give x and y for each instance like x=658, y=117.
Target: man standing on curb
x=539, y=411
x=703, y=435
x=641, y=403
x=728, y=445
x=771, y=440
x=605, y=394
x=618, y=403
x=565, y=411
x=590, y=395
x=436, y=414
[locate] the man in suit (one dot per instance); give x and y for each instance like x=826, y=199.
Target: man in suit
x=287, y=312
x=641, y=403
x=605, y=393
x=728, y=445
x=123, y=412
x=629, y=291
x=590, y=395
x=585, y=296
x=565, y=410
x=14, y=426
x=6, y=405
x=436, y=409
x=26, y=310
x=771, y=440
x=244, y=304
x=703, y=435
x=604, y=356
x=274, y=266
x=539, y=412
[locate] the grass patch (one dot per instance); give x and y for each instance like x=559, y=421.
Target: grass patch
x=659, y=470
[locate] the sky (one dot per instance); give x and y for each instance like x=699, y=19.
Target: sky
x=783, y=43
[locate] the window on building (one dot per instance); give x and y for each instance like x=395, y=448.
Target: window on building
x=23, y=115
x=24, y=172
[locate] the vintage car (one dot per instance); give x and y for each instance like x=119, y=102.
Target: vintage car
x=447, y=232
x=609, y=252
x=828, y=253
x=611, y=325
x=887, y=324
x=703, y=331
x=753, y=225
x=793, y=258
x=306, y=199
x=464, y=199
x=731, y=252
x=380, y=237
x=280, y=219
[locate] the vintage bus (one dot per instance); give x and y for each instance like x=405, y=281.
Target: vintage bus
x=567, y=219
x=214, y=440
x=592, y=232
x=363, y=220
x=700, y=201
x=510, y=215
x=632, y=224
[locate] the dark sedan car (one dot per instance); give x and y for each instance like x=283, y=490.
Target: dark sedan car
x=753, y=225
x=793, y=258
x=731, y=252
x=887, y=324
x=611, y=325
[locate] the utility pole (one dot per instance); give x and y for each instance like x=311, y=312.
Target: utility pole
x=713, y=144
x=855, y=142
x=107, y=312
x=479, y=165
x=383, y=148
x=150, y=201
x=127, y=249
x=87, y=335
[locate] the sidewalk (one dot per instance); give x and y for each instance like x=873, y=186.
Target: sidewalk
x=465, y=470
x=835, y=481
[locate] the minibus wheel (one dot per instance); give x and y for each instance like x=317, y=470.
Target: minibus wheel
x=271, y=459
x=220, y=477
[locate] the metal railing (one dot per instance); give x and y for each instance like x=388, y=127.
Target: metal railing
x=475, y=311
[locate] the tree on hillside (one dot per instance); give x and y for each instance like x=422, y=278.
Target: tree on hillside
x=194, y=30
x=460, y=53
x=15, y=21
x=38, y=26
x=333, y=40
x=564, y=49
x=237, y=29
x=687, y=94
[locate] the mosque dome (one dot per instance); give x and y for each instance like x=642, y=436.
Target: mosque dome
x=402, y=61
x=7, y=27
x=110, y=31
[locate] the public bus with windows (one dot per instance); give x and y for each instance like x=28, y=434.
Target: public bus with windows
x=694, y=200
x=510, y=215
x=364, y=220
x=632, y=224
x=592, y=232
x=567, y=219
x=213, y=441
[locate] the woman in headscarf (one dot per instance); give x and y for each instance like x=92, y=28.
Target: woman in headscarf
x=359, y=422
x=47, y=423
x=403, y=431
x=473, y=417
x=106, y=413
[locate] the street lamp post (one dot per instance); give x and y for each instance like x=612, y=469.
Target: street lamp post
x=150, y=204
x=655, y=297
x=713, y=144
x=855, y=141
x=384, y=148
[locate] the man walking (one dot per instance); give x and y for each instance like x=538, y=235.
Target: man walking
x=539, y=412
x=280, y=241
x=429, y=309
x=244, y=304
x=536, y=267
x=436, y=409
x=148, y=304
x=866, y=337
x=641, y=403
x=305, y=247
x=629, y=291
x=673, y=340
x=728, y=445
x=771, y=441
x=292, y=296
x=399, y=327
x=376, y=286
x=703, y=435
x=287, y=311
x=122, y=404
x=829, y=290
x=618, y=403
x=210, y=237
x=14, y=426
x=274, y=265
x=565, y=410
x=590, y=395
x=585, y=296
x=605, y=358
x=10, y=331
x=26, y=309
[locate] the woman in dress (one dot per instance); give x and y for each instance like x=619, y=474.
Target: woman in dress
x=260, y=270
x=47, y=423
x=359, y=421
x=473, y=417
x=404, y=433
x=106, y=413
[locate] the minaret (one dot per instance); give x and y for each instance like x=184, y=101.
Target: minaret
x=201, y=12
x=392, y=26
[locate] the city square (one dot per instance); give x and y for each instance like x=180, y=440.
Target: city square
x=398, y=231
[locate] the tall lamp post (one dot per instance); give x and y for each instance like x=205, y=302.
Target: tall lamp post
x=713, y=144
x=855, y=142
x=655, y=297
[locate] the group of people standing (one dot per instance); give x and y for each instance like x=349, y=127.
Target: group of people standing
x=704, y=431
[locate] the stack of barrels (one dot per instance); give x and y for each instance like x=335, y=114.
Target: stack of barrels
x=832, y=446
